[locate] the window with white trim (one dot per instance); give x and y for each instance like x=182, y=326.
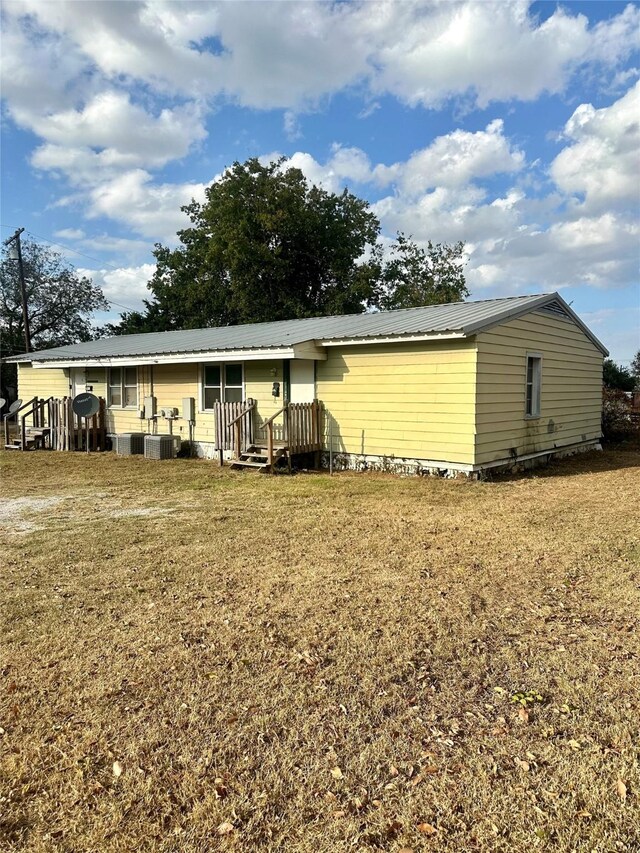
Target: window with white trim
x=123, y=387
x=533, y=386
x=222, y=382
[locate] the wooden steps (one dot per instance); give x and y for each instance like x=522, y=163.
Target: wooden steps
x=34, y=436
x=256, y=457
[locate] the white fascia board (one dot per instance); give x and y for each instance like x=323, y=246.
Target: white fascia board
x=393, y=339
x=306, y=349
x=175, y=358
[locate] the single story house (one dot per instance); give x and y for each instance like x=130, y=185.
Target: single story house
x=450, y=388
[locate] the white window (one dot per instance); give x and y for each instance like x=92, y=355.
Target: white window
x=222, y=382
x=534, y=382
x=123, y=387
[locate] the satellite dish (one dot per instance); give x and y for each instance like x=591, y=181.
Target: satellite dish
x=14, y=406
x=2, y=402
x=86, y=405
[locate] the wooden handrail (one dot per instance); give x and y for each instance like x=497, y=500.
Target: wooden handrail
x=273, y=417
x=244, y=412
x=6, y=417
x=23, y=406
x=236, y=424
x=268, y=425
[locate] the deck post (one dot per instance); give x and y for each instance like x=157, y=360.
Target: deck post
x=315, y=423
x=237, y=428
x=270, y=444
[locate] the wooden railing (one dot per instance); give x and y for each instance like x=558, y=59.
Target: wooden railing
x=302, y=429
x=38, y=419
x=6, y=418
x=242, y=424
x=69, y=431
x=225, y=417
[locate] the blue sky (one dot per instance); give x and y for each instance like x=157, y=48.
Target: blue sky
x=511, y=126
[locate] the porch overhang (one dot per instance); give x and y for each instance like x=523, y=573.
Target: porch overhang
x=306, y=350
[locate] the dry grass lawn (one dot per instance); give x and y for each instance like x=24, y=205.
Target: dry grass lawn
x=194, y=659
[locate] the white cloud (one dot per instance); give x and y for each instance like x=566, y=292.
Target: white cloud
x=109, y=135
x=291, y=125
x=111, y=123
x=69, y=234
x=497, y=51
x=454, y=160
x=150, y=209
x=126, y=286
x=124, y=39
x=598, y=252
x=292, y=55
x=122, y=246
x=344, y=167
x=39, y=68
x=601, y=163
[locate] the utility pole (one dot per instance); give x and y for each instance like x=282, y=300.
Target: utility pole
x=16, y=255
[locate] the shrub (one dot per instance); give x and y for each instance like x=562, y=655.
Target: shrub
x=617, y=424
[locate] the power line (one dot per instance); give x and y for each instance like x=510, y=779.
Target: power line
x=84, y=255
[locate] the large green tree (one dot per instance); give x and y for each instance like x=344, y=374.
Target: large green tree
x=267, y=245
x=635, y=369
x=413, y=276
x=60, y=304
x=616, y=376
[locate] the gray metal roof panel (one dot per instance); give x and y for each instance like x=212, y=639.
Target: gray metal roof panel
x=461, y=317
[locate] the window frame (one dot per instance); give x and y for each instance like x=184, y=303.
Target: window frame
x=535, y=359
x=222, y=365
x=122, y=386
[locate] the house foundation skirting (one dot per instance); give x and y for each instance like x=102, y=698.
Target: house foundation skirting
x=408, y=466
x=439, y=468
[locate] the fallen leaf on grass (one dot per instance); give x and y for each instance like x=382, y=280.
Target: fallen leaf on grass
x=393, y=827
x=621, y=789
x=117, y=769
x=523, y=765
x=427, y=829
x=225, y=828
x=219, y=789
x=523, y=714
x=336, y=773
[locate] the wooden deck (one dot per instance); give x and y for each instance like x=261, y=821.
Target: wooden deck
x=301, y=435
x=52, y=424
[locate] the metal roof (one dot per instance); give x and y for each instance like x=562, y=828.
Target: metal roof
x=462, y=318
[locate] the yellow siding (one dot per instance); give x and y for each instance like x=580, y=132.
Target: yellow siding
x=258, y=382
x=42, y=382
x=169, y=383
x=408, y=401
x=571, y=396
